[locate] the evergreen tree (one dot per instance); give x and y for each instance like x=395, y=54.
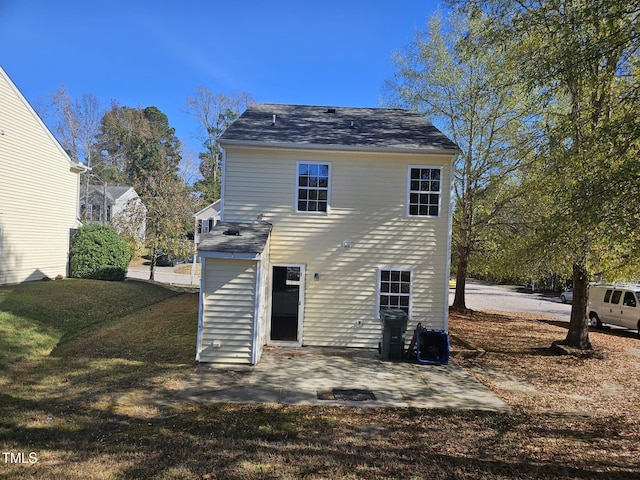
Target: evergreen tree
x=139, y=147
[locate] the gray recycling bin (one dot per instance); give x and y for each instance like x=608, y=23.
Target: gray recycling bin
x=394, y=328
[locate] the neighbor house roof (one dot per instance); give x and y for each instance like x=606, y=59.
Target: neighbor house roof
x=241, y=240
x=335, y=128
x=113, y=193
x=212, y=207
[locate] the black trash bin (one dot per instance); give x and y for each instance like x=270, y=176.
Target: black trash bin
x=394, y=328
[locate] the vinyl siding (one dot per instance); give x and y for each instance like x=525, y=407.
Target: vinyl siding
x=228, y=310
x=38, y=194
x=368, y=209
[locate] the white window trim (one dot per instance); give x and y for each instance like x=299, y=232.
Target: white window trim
x=440, y=193
x=378, y=292
x=296, y=187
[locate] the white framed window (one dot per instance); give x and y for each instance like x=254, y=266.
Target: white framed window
x=313, y=187
x=424, y=191
x=395, y=287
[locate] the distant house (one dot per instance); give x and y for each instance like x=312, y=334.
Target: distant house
x=120, y=207
x=38, y=193
x=328, y=215
x=206, y=219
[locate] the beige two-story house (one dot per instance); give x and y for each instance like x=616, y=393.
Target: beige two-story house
x=328, y=215
x=38, y=193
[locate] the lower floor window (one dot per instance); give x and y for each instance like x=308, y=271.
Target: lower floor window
x=395, y=289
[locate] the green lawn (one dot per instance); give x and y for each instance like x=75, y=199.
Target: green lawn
x=77, y=355
x=86, y=374
x=38, y=317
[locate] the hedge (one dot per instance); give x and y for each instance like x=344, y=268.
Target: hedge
x=99, y=252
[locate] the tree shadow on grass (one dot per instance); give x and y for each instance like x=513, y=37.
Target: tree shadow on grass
x=266, y=441
x=66, y=310
x=80, y=426
x=163, y=333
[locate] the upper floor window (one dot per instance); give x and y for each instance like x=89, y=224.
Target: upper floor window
x=312, y=192
x=425, y=187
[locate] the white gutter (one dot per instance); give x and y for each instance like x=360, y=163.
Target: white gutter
x=334, y=147
x=80, y=167
x=230, y=255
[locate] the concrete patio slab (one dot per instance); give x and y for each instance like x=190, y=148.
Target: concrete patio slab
x=296, y=376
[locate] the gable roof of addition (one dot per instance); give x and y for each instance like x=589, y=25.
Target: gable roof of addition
x=304, y=126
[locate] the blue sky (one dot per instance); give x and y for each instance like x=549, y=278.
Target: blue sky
x=157, y=53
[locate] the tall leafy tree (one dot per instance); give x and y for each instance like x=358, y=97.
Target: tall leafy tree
x=135, y=143
x=76, y=123
x=214, y=112
x=580, y=58
x=467, y=92
x=170, y=209
x=139, y=147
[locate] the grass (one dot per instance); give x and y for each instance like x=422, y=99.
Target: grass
x=87, y=371
x=76, y=355
x=185, y=269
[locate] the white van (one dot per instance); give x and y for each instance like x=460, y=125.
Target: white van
x=615, y=305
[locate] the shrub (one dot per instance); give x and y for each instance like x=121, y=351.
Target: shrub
x=98, y=252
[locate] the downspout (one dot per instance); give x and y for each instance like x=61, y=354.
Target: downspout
x=447, y=267
x=200, y=309
x=223, y=173
x=255, y=335
x=195, y=249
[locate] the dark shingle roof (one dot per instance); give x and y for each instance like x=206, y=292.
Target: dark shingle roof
x=354, y=128
x=252, y=238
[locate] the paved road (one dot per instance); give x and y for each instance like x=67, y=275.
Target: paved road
x=511, y=299
x=163, y=275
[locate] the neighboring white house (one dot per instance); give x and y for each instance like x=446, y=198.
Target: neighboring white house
x=328, y=215
x=205, y=220
x=38, y=193
x=118, y=206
